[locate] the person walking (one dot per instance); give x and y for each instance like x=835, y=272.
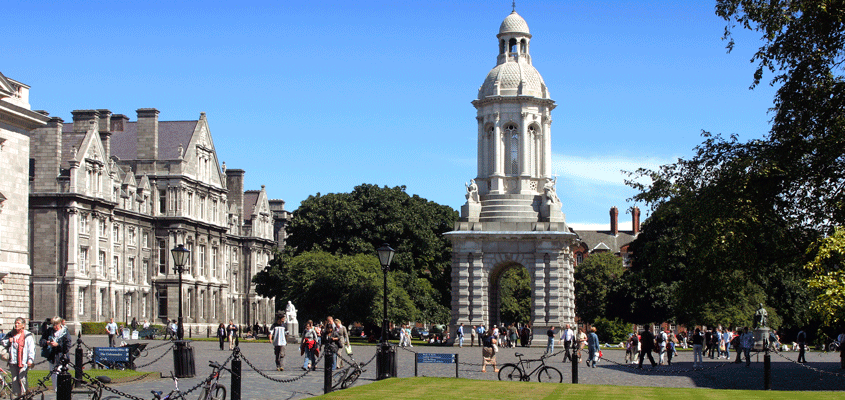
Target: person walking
x=309, y=344
x=660, y=339
x=134, y=323
x=697, y=344
x=841, y=340
x=461, y=335
x=278, y=338
x=55, y=346
x=480, y=332
x=802, y=346
x=221, y=334
x=647, y=346
x=550, y=345
x=747, y=340
x=472, y=334
x=21, y=345
x=670, y=348
x=566, y=337
x=488, y=352
x=232, y=333
x=345, y=346
x=635, y=346
x=582, y=342
x=593, y=347
x=111, y=329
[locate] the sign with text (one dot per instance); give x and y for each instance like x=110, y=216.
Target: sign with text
x=111, y=354
x=436, y=358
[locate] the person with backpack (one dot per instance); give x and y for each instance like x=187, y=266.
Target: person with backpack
x=660, y=339
x=488, y=352
x=56, y=347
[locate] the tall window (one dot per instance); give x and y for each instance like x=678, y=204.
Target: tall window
x=83, y=224
x=162, y=256
x=201, y=260
x=144, y=306
x=202, y=207
x=100, y=302
x=214, y=210
x=513, y=148
x=200, y=304
x=162, y=202
x=83, y=259
x=101, y=262
x=162, y=302
x=81, y=304
x=145, y=239
x=103, y=228
x=133, y=236
x=188, y=303
x=130, y=269
x=145, y=266
x=189, y=211
x=116, y=232
x=190, y=265
x=214, y=305
x=116, y=267
x=214, y=251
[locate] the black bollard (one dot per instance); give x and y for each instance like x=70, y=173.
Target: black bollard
x=78, y=361
x=64, y=386
x=327, y=379
x=574, y=365
x=767, y=371
x=236, y=372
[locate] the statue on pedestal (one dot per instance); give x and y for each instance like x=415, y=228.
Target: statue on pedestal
x=290, y=312
x=472, y=192
x=291, y=323
x=761, y=317
x=550, y=190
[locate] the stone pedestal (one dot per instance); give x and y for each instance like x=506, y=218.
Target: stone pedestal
x=760, y=335
x=293, y=328
x=471, y=211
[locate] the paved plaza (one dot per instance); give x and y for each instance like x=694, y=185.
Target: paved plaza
x=820, y=373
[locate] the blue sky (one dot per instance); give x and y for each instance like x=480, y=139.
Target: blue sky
x=312, y=97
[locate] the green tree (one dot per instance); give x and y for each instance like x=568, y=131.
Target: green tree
x=827, y=277
x=323, y=284
x=515, y=295
x=360, y=221
x=595, y=278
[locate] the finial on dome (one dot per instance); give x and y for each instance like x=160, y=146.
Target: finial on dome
x=513, y=4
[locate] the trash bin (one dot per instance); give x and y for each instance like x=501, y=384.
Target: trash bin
x=385, y=361
x=183, y=360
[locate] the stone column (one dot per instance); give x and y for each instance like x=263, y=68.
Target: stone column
x=547, y=147
x=498, y=161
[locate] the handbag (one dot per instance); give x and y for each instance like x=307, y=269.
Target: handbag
x=348, y=349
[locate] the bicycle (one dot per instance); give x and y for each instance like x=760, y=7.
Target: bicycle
x=212, y=389
x=515, y=372
x=6, y=384
x=174, y=394
x=346, y=377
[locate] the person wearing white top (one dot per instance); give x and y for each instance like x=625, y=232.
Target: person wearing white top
x=279, y=341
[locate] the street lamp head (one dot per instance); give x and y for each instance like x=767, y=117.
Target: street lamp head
x=180, y=257
x=385, y=256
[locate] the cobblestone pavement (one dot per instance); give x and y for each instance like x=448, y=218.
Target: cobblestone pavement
x=821, y=373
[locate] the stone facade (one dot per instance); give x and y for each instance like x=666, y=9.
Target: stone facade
x=110, y=198
x=513, y=218
x=16, y=121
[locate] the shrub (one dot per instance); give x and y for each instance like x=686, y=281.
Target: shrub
x=611, y=331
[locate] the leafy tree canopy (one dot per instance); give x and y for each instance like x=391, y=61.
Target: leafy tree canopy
x=356, y=223
x=595, y=278
x=827, y=277
x=515, y=295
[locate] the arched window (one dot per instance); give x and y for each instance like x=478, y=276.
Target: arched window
x=512, y=137
x=502, y=46
x=512, y=45
x=523, y=47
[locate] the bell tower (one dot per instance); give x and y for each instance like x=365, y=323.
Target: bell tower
x=512, y=217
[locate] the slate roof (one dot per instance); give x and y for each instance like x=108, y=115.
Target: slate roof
x=69, y=142
x=250, y=200
x=170, y=135
x=598, y=240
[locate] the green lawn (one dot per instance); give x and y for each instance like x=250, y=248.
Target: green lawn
x=449, y=388
x=116, y=375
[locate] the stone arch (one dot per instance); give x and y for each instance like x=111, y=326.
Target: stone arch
x=494, y=290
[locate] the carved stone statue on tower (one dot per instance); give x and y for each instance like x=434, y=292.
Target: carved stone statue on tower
x=290, y=320
x=550, y=191
x=472, y=192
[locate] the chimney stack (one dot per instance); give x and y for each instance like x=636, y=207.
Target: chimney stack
x=147, y=136
x=235, y=184
x=105, y=130
x=614, y=220
x=82, y=120
x=118, y=122
x=635, y=220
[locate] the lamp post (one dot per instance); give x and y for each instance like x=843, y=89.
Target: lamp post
x=183, y=354
x=386, y=357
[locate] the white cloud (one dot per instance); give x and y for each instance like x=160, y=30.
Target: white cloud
x=602, y=169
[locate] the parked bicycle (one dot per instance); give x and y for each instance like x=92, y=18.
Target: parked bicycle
x=516, y=372
x=213, y=389
x=6, y=384
x=347, y=376
x=174, y=394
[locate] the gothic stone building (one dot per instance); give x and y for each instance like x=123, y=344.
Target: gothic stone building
x=16, y=123
x=110, y=197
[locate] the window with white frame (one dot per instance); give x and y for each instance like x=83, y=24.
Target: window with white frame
x=144, y=306
x=83, y=259
x=162, y=302
x=115, y=267
x=116, y=232
x=83, y=224
x=214, y=305
x=130, y=269
x=201, y=304
x=145, y=266
x=145, y=239
x=162, y=256
x=201, y=260
x=214, y=210
x=188, y=304
x=132, y=236
x=101, y=262
x=103, y=228
x=100, y=300
x=81, y=301
x=213, y=272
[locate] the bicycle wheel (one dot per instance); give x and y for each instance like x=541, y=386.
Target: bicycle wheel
x=6, y=390
x=218, y=393
x=549, y=374
x=350, y=380
x=338, y=377
x=510, y=372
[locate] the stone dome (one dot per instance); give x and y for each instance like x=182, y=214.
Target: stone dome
x=513, y=23
x=509, y=75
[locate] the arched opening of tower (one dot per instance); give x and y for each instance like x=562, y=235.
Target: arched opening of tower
x=512, y=293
